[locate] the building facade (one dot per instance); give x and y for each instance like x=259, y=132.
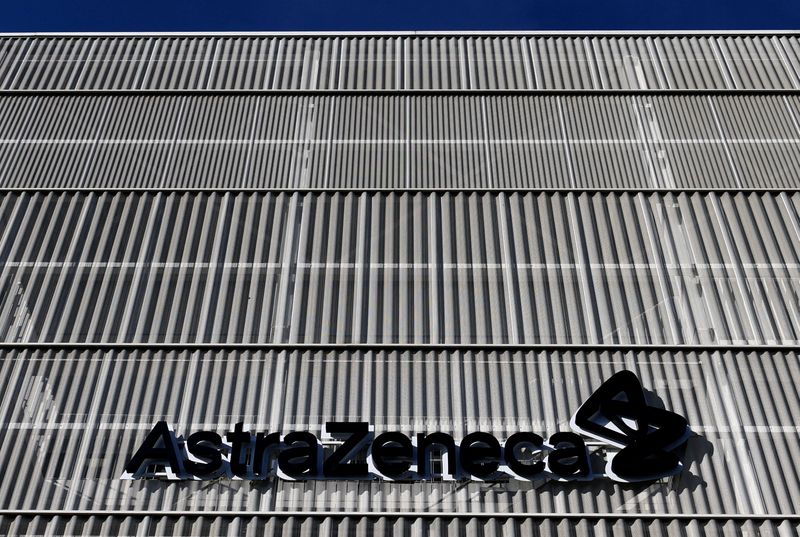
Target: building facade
x=426, y=232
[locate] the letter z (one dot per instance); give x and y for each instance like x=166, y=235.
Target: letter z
x=354, y=436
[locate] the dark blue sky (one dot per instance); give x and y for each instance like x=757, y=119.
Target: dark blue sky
x=266, y=15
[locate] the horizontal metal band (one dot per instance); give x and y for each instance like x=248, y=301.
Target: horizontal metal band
x=403, y=190
x=401, y=92
x=388, y=347
x=413, y=33
x=404, y=514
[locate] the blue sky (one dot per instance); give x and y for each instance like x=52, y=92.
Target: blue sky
x=289, y=15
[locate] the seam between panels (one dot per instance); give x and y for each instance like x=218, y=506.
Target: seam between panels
x=399, y=91
x=388, y=347
x=414, y=33
x=392, y=190
x=411, y=514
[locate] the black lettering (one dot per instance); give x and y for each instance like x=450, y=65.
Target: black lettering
x=480, y=454
x=266, y=444
x=515, y=443
x=426, y=443
x=570, y=457
x=150, y=452
x=392, y=454
x=207, y=447
x=240, y=443
x=355, y=434
x=300, y=459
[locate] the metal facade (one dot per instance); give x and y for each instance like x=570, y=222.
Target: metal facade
x=396, y=142
x=452, y=268
x=456, y=391
x=401, y=62
x=450, y=232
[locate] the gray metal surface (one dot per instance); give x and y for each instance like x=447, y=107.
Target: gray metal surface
x=86, y=410
x=311, y=526
x=401, y=62
x=641, y=142
x=409, y=268
x=710, y=279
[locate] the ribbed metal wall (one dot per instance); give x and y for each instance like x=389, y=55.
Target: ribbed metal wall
x=422, y=268
x=69, y=444
x=385, y=525
x=602, y=261
x=396, y=142
x=401, y=62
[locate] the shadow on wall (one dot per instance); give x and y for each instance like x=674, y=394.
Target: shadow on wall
x=691, y=453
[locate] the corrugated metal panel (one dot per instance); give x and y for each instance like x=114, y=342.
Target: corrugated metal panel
x=401, y=62
x=454, y=268
x=54, y=138
x=692, y=62
x=441, y=268
x=434, y=63
x=181, y=63
x=741, y=405
x=788, y=48
x=229, y=123
x=626, y=63
x=757, y=62
x=11, y=52
x=117, y=63
x=385, y=525
x=427, y=142
x=49, y=64
x=527, y=142
x=590, y=126
x=449, y=142
x=135, y=142
x=365, y=143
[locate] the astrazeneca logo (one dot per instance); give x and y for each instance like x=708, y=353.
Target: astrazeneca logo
x=616, y=414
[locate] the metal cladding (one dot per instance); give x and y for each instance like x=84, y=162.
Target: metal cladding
x=401, y=62
x=441, y=268
x=227, y=141
x=429, y=232
x=320, y=526
x=728, y=397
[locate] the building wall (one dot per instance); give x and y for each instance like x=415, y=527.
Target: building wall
x=429, y=232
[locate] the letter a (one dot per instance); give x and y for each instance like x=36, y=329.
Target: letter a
x=150, y=452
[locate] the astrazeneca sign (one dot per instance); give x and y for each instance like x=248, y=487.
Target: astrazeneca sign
x=617, y=415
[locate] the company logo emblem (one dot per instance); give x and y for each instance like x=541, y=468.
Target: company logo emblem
x=617, y=414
